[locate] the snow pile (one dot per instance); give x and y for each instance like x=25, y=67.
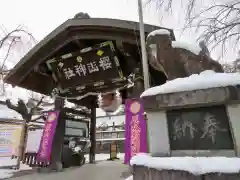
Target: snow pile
x=104, y=157
x=206, y=79
x=194, y=48
x=14, y=93
x=159, y=32
x=7, y=161
x=6, y=173
x=129, y=178
x=195, y=165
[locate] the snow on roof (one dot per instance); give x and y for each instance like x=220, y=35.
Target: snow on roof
x=110, y=130
x=204, y=80
x=195, y=165
x=111, y=139
x=159, y=31
x=15, y=93
x=69, y=104
x=194, y=48
x=108, y=120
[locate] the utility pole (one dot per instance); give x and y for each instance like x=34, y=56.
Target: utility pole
x=143, y=46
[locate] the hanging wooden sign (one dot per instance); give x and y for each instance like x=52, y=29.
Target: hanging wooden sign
x=92, y=66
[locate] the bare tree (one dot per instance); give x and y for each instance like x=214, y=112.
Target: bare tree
x=228, y=68
x=8, y=42
x=218, y=22
x=234, y=66
x=27, y=114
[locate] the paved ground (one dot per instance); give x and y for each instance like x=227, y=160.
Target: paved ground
x=105, y=170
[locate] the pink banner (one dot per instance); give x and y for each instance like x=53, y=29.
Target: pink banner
x=135, y=129
x=45, y=148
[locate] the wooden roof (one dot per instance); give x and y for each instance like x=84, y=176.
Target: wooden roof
x=25, y=74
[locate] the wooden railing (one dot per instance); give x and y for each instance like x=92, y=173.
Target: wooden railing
x=30, y=159
x=110, y=135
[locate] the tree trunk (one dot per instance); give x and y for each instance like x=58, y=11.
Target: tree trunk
x=24, y=141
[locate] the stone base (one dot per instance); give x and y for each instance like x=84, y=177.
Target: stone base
x=145, y=173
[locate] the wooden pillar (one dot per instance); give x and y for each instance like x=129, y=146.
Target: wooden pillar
x=138, y=87
x=92, y=151
x=56, y=155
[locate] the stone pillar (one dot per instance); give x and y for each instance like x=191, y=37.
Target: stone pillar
x=194, y=123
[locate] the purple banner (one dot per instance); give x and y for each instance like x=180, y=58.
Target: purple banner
x=45, y=147
x=135, y=129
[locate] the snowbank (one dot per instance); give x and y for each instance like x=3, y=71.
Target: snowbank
x=206, y=79
x=104, y=157
x=129, y=178
x=14, y=93
x=195, y=165
x=7, y=161
x=192, y=47
x=160, y=32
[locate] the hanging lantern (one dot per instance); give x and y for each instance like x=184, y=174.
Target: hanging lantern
x=110, y=102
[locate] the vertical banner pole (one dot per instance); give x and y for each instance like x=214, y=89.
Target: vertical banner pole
x=143, y=46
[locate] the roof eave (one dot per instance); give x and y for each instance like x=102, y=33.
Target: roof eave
x=15, y=79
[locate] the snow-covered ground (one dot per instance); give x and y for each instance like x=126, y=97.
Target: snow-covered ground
x=7, y=161
x=194, y=165
x=206, y=79
x=104, y=157
x=129, y=178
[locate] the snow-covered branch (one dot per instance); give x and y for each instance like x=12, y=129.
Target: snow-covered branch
x=218, y=22
x=9, y=41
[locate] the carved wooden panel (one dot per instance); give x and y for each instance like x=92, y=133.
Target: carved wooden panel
x=92, y=65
